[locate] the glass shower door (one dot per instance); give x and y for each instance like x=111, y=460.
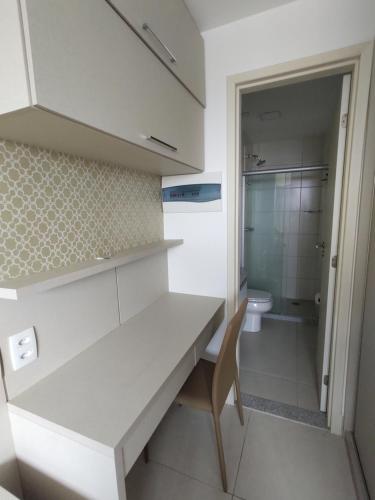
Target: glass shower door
x=264, y=237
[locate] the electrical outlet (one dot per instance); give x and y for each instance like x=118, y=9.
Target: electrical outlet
x=22, y=348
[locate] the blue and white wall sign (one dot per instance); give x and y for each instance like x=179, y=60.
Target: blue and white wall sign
x=192, y=193
x=196, y=193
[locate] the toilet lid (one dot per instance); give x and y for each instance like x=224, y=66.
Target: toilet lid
x=258, y=296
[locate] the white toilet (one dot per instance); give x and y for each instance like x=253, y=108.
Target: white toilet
x=259, y=302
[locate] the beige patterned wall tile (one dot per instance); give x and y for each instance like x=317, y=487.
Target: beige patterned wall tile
x=57, y=209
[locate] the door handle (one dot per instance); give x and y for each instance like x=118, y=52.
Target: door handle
x=161, y=143
x=171, y=56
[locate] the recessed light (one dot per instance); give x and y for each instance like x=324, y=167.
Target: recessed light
x=269, y=115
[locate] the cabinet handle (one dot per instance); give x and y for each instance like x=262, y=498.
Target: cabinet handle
x=151, y=138
x=171, y=56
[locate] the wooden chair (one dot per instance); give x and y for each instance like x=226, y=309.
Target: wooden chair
x=209, y=383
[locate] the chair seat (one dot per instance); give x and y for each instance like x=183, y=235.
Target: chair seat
x=197, y=390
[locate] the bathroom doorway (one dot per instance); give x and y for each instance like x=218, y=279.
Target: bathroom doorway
x=293, y=147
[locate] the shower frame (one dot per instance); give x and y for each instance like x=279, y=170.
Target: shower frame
x=285, y=170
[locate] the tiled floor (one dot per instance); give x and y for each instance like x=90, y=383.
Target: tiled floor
x=279, y=363
x=268, y=459
x=297, y=308
x=302, y=308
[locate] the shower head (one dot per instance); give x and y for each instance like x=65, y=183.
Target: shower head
x=260, y=162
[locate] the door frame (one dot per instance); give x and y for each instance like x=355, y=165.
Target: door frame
x=357, y=197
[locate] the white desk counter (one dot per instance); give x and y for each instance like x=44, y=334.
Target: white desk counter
x=5, y=495
x=79, y=430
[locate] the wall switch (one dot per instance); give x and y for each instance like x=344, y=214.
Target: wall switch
x=22, y=348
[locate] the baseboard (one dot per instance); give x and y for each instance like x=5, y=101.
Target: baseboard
x=356, y=469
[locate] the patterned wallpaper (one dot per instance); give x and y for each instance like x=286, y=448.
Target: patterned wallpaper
x=57, y=209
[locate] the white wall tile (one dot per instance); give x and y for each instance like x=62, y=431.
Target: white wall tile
x=312, y=179
x=316, y=285
x=280, y=199
x=291, y=288
x=285, y=265
x=284, y=285
x=292, y=244
x=306, y=245
x=307, y=268
x=310, y=198
x=291, y=222
x=292, y=267
x=292, y=199
x=293, y=179
x=309, y=223
x=305, y=289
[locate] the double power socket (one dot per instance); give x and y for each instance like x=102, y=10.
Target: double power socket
x=23, y=348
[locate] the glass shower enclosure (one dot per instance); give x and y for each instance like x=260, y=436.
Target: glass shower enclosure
x=281, y=230
x=263, y=235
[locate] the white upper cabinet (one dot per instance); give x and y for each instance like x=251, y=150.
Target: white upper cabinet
x=86, y=65
x=169, y=30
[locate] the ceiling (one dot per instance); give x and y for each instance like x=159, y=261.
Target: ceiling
x=210, y=14
x=305, y=108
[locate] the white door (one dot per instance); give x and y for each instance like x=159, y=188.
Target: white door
x=328, y=246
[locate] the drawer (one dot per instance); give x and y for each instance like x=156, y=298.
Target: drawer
x=169, y=30
x=140, y=434
x=208, y=333
x=88, y=65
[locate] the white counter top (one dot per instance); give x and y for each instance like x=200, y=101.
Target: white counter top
x=5, y=495
x=98, y=395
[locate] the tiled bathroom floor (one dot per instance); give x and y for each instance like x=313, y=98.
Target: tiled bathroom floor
x=304, y=309
x=268, y=459
x=279, y=363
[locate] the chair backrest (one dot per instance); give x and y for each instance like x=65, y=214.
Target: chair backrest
x=226, y=364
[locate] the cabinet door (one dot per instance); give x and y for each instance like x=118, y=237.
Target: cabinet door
x=86, y=64
x=168, y=28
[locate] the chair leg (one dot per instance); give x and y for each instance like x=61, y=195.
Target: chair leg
x=220, y=450
x=145, y=454
x=238, y=398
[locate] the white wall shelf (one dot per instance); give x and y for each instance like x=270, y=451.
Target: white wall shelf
x=15, y=289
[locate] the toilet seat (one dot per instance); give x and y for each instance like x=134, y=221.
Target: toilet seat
x=259, y=302
x=258, y=296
